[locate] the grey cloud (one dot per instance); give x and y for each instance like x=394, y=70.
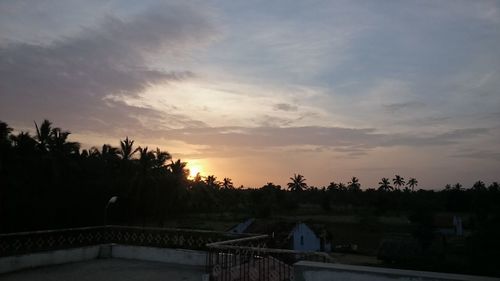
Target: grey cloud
x=354, y=140
x=71, y=76
x=402, y=106
x=479, y=154
x=285, y=107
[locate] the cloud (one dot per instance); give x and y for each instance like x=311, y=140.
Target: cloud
x=76, y=76
x=479, y=154
x=403, y=106
x=334, y=137
x=285, y=107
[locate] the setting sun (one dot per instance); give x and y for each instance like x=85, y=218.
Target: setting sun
x=194, y=170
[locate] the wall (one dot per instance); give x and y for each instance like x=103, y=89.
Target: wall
x=316, y=271
x=172, y=256
x=13, y=263
x=311, y=241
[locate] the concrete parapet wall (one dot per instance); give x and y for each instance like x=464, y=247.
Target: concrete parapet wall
x=14, y=263
x=172, y=256
x=316, y=271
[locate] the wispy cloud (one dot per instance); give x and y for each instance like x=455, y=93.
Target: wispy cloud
x=76, y=76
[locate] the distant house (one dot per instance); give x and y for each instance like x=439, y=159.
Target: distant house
x=449, y=225
x=296, y=236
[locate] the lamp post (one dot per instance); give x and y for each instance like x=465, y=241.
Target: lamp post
x=112, y=200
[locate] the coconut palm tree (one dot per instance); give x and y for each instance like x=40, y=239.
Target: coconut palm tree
x=479, y=186
x=385, y=185
x=127, y=149
x=457, y=186
x=494, y=187
x=43, y=134
x=298, y=183
x=354, y=184
x=412, y=182
x=227, y=183
x=333, y=186
x=398, y=181
x=342, y=186
x=212, y=182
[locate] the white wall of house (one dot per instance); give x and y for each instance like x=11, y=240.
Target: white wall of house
x=304, y=238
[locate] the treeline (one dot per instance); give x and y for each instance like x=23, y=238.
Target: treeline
x=50, y=182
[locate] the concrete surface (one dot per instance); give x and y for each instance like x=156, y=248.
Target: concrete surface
x=13, y=263
x=167, y=255
x=108, y=270
x=317, y=271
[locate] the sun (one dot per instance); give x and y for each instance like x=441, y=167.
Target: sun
x=194, y=170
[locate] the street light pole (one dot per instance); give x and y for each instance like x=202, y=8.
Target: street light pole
x=112, y=200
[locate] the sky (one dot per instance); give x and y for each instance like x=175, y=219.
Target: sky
x=259, y=90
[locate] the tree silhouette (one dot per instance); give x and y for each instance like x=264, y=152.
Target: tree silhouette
x=412, y=182
x=127, y=149
x=384, y=185
x=479, y=186
x=298, y=183
x=212, y=182
x=354, y=184
x=333, y=186
x=227, y=183
x=398, y=181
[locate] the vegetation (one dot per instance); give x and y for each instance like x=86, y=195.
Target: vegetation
x=50, y=182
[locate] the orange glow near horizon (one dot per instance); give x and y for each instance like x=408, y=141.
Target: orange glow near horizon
x=194, y=169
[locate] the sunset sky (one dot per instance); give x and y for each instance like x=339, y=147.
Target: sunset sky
x=259, y=90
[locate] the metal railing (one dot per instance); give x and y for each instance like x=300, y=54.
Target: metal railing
x=249, y=259
x=49, y=240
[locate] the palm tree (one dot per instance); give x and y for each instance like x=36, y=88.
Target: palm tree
x=494, y=187
x=127, y=149
x=333, y=186
x=227, y=183
x=342, y=186
x=43, y=134
x=457, y=186
x=354, y=184
x=298, y=183
x=212, y=182
x=479, y=186
x=412, y=183
x=160, y=157
x=398, y=181
x=385, y=185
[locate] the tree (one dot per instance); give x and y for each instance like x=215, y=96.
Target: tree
x=494, y=187
x=385, y=185
x=333, y=186
x=227, y=183
x=298, y=183
x=398, y=181
x=412, y=183
x=127, y=149
x=354, y=184
x=212, y=182
x=479, y=186
x=457, y=187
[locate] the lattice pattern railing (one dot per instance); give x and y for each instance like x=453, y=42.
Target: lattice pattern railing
x=249, y=259
x=29, y=242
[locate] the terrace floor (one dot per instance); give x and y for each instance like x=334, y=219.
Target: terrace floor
x=109, y=270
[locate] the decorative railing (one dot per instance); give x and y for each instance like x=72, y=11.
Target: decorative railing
x=49, y=240
x=249, y=259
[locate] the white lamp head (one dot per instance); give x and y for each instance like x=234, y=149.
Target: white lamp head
x=113, y=199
